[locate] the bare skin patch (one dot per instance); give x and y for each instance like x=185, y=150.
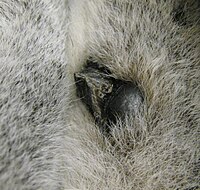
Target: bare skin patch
x=105, y=97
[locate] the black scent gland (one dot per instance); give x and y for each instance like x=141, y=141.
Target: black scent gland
x=125, y=100
x=107, y=98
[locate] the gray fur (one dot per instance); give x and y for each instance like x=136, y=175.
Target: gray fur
x=33, y=94
x=48, y=140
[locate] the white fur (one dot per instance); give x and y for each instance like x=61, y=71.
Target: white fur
x=48, y=140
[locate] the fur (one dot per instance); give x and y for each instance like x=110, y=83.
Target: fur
x=33, y=94
x=48, y=140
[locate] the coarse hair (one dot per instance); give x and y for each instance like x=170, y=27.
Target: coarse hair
x=49, y=140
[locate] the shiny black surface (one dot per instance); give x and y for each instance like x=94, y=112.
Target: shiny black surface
x=105, y=97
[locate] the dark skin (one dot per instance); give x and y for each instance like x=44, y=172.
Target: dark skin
x=105, y=97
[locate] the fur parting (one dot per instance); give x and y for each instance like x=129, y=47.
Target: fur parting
x=147, y=42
